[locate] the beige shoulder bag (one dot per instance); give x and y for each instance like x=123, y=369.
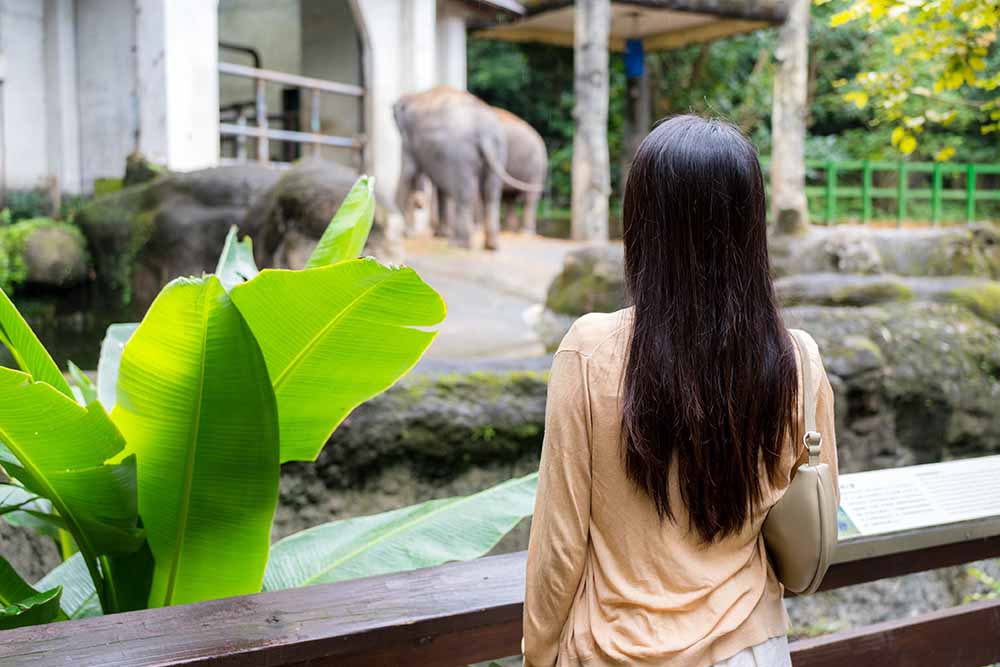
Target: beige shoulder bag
x=800, y=531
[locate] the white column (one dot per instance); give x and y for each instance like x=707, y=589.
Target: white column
x=190, y=56
x=22, y=38
x=450, y=48
x=62, y=129
x=418, y=26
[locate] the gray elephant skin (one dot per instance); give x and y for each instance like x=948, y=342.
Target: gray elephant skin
x=527, y=161
x=459, y=143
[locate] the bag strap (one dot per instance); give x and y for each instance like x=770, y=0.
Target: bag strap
x=812, y=438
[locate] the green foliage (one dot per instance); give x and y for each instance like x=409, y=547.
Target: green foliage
x=171, y=498
x=13, y=241
x=992, y=585
x=345, y=237
x=26, y=205
x=21, y=605
x=932, y=63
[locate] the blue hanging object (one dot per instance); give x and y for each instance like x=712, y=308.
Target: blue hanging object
x=635, y=61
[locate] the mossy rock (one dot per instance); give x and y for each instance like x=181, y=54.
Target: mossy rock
x=43, y=252
x=143, y=236
x=835, y=289
x=983, y=300
x=592, y=280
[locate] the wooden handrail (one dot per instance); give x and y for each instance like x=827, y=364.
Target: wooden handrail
x=461, y=613
x=287, y=79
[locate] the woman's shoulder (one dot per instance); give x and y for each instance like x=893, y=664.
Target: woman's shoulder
x=591, y=331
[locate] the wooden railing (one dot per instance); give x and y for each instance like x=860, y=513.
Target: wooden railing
x=461, y=613
x=261, y=130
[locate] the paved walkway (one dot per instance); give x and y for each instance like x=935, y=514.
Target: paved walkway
x=490, y=295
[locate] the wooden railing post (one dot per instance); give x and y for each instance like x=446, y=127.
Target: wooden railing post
x=901, y=186
x=314, y=118
x=866, y=192
x=263, y=149
x=831, y=192
x=241, y=139
x=970, y=193
x=936, y=186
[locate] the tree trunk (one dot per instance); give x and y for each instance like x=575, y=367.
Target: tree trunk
x=788, y=122
x=591, y=162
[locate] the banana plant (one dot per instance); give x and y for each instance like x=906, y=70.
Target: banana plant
x=165, y=475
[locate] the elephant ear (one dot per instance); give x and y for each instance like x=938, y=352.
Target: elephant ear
x=348, y=231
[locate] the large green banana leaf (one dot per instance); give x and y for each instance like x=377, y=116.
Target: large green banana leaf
x=334, y=337
x=29, y=354
x=79, y=597
x=427, y=534
x=110, y=361
x=22, y=605
x=345, y=236
x=196, y=406
x=83, y=389
x=57, y=449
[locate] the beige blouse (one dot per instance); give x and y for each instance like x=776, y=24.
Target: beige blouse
x=608, y=583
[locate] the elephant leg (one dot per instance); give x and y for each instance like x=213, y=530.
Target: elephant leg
x=408, y=176
x=446, y=215
x=492, y=189
x=462, y=223
x=529, y=225
x=510, y=221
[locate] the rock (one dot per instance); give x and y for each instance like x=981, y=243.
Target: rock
x=982, y=299
x=972, y=250
x=42, y=252
x=591, y=281
x=145, y=235
x=140, y=170
x=293, y=215
x=838, y=289
x=441, y=422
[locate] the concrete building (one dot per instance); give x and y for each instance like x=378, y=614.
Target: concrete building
x=84, y=83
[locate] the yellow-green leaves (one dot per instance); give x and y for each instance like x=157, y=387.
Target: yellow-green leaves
x=197, y=409
x=334, y=337
x=347, y=232
x=30, y=356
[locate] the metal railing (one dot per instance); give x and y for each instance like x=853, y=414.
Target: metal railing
x=258, y=125
x=827, y=200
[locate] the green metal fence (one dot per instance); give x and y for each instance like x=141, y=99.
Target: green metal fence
x=867, y=190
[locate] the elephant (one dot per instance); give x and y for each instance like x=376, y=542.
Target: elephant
x=458, y=142
x=528, y=161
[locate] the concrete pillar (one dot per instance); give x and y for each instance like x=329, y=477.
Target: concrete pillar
x=190, y=63
x=62, y=131
x=418, y=26
x=449, y=51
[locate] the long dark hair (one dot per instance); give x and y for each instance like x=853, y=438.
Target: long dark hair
x=710, y=385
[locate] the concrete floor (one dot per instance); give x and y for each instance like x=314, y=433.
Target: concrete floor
x=491, y=296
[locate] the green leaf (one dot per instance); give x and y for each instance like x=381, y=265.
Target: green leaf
x=111, y=357
x=423, y=535
x=22, y=605
x=83, y=390
x=20, y=507
x=79, y=598
x=196, y=407
x=345, y=236
x=129, y=578
x=38, y=609
x=29, y=354
x=236, y=263
x=334, y=337
x=57, y=449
